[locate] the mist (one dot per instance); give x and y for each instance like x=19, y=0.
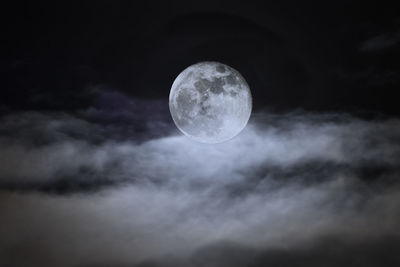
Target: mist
x=118, y=185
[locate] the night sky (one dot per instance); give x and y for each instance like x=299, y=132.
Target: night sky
x=94, y=172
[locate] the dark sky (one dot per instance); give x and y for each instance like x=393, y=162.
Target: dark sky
x=337, y=55
x=94, y=172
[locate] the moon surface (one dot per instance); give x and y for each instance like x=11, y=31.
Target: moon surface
x=210, y=102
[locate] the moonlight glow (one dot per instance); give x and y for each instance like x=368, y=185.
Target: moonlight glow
x=210, y=102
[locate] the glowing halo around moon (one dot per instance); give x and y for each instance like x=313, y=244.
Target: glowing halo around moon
x=210, y=102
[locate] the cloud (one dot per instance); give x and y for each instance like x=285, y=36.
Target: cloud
x=381, y=42
x=89, y=189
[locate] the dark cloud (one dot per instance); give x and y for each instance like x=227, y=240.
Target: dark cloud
x=326, y=251
x=381, y=42
x=117, y=185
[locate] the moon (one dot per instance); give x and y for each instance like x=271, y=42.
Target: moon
x=210, y=102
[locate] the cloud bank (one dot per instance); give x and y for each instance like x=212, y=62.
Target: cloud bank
x=117, y=185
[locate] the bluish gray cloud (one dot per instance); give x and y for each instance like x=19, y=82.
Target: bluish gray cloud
x=87, y=189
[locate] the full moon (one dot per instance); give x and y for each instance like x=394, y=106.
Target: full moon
x=210, y=102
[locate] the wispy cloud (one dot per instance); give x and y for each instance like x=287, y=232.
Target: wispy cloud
x=86, y=190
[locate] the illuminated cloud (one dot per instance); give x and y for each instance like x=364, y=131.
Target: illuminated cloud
x=77, y=191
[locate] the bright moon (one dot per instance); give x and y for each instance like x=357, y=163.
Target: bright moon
x=210, y=102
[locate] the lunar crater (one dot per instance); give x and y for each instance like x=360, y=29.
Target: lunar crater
x=210, y=102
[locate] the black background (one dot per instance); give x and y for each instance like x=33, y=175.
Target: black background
x=312, y=55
